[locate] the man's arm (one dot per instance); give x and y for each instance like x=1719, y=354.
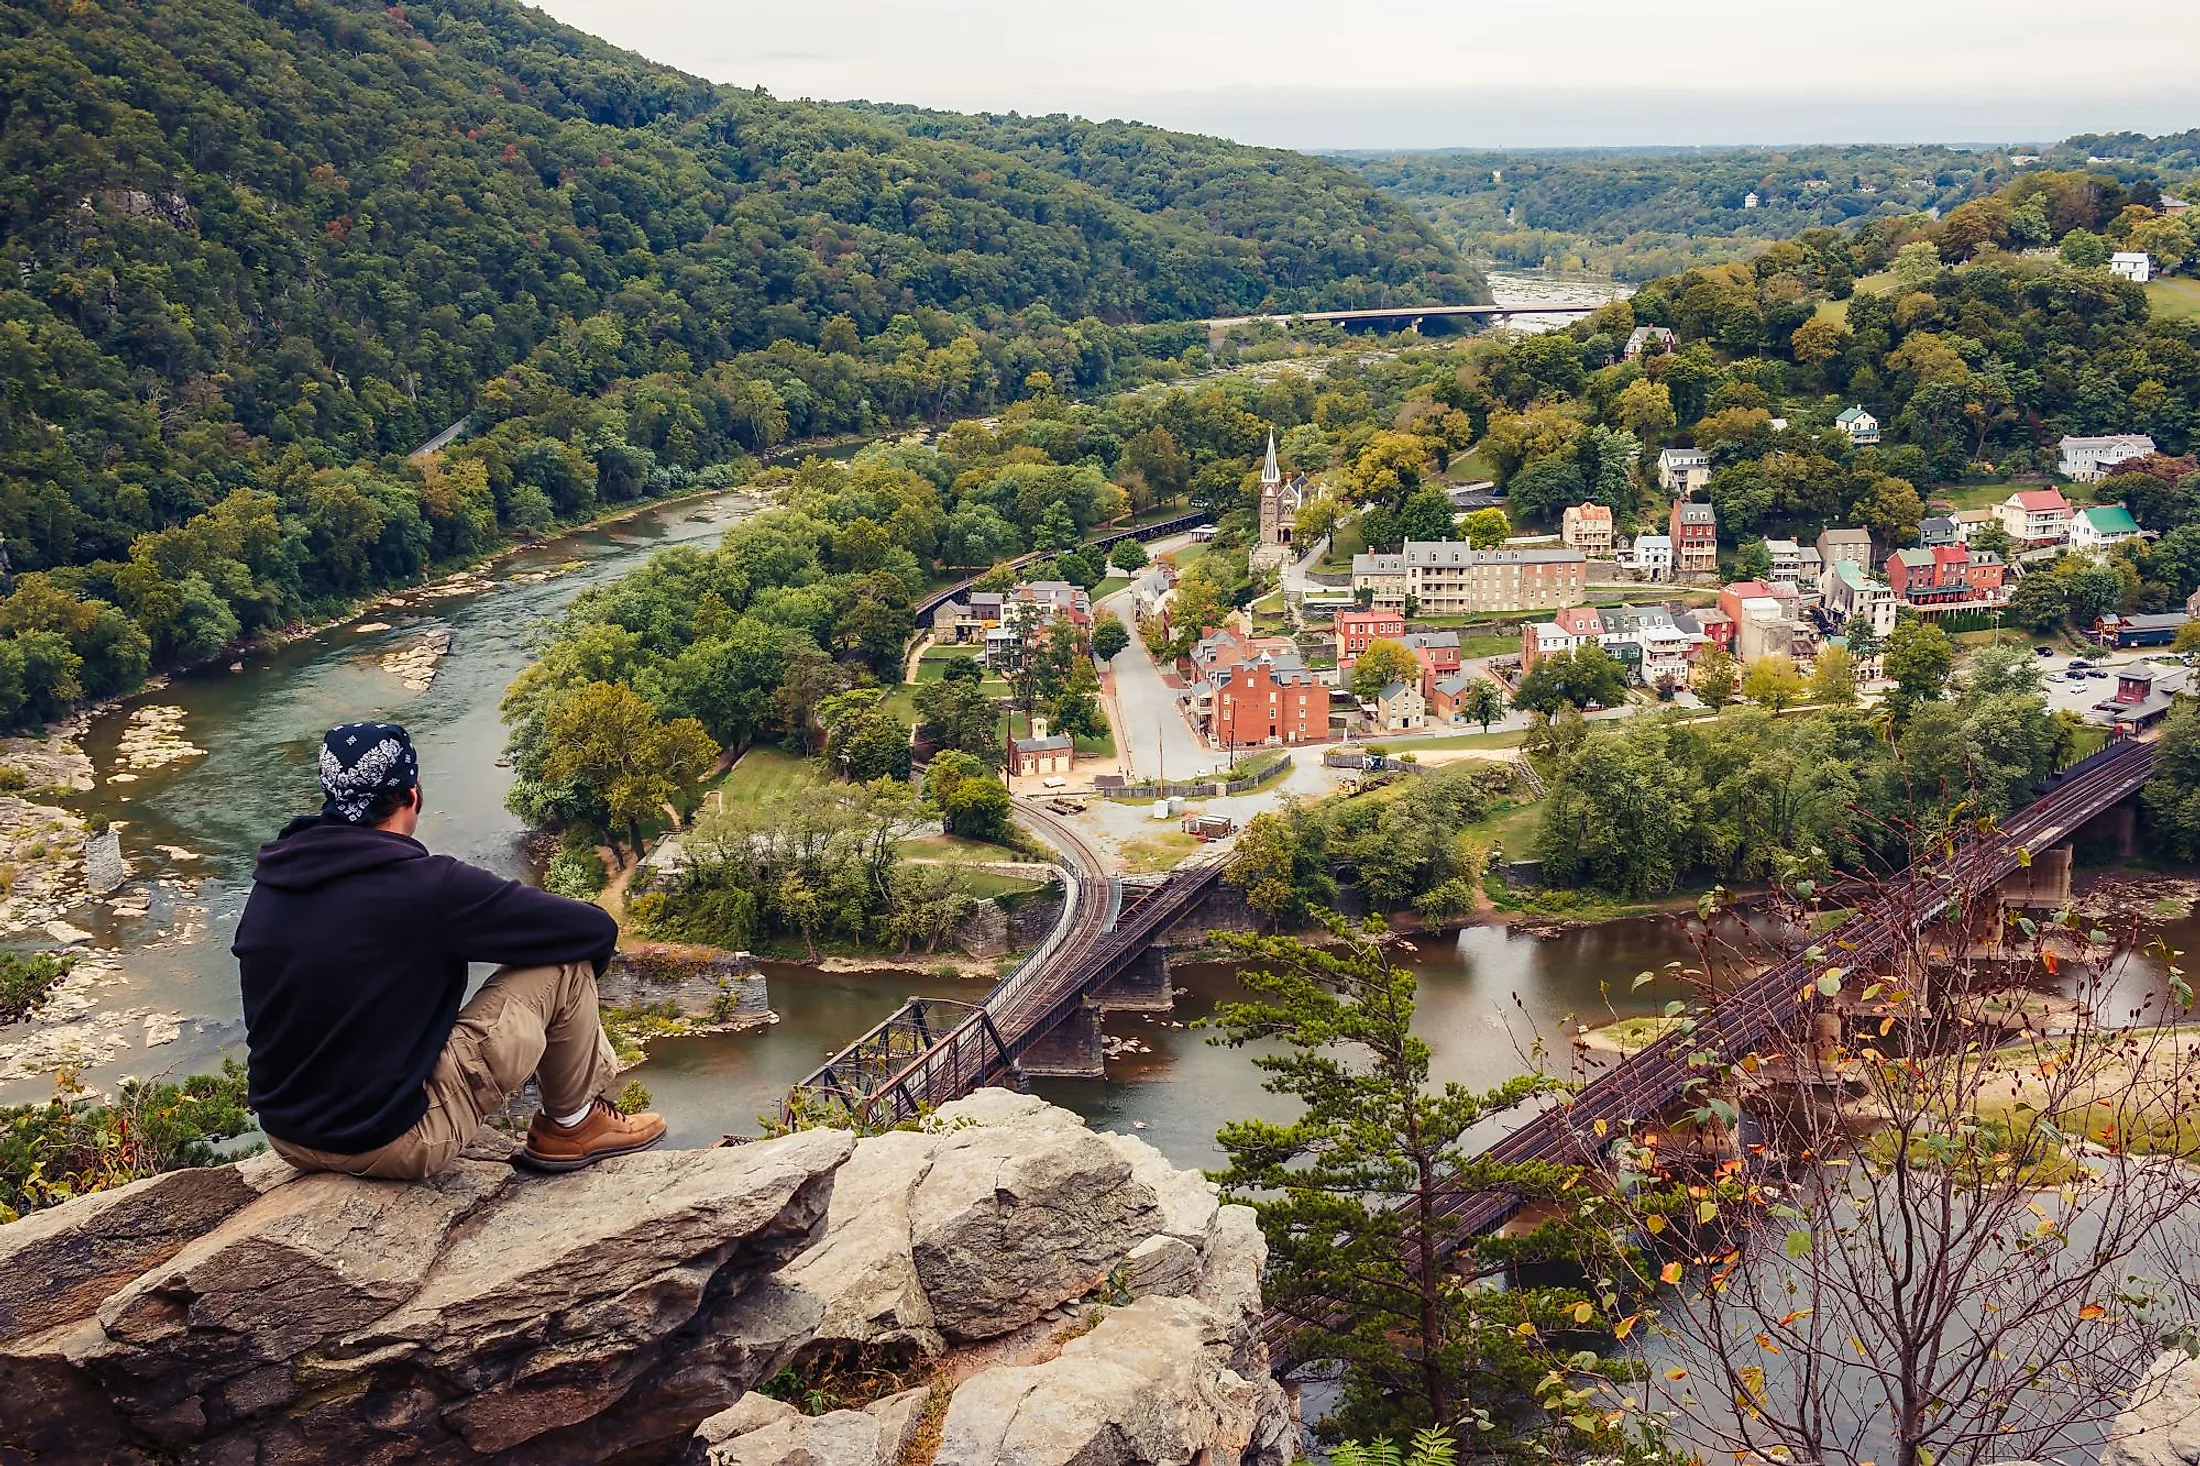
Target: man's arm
x=487, y=918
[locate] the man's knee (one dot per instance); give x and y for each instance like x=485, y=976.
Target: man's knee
x=410, y=1157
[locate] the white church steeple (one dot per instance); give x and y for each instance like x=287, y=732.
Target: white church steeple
x=1270, y=474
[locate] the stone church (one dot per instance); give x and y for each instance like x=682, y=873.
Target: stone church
x=1280, y=502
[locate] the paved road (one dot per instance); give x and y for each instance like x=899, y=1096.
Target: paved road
x=1155, y=736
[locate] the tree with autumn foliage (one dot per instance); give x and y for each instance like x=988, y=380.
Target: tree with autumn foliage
x=1956, y=1238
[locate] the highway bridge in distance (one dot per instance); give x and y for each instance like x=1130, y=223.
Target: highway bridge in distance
x=1399, y=317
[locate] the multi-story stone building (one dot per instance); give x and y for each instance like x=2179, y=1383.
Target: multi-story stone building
x=1448, y=578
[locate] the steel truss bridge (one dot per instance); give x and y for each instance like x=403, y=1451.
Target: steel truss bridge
x=1768, y=1006
x=933, y=1050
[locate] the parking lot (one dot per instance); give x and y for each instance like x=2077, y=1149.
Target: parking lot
x=2078, y=692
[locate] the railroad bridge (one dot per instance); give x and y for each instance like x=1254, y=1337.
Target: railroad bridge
x=1109, y=952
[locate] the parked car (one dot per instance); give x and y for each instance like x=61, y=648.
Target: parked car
x=2096, y=672
x=2078, y=664
x=2045, y=651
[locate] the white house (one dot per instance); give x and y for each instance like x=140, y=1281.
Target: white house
x=2132, y=264
x=1787, y=559
x=2087, y=460
x=1652, y=556
x=2101, y=525
x=1851, y=591
x=1750, y=201
x=1642, y=338
x=1860, y=425
x=2034, y=517
x=1682, y=471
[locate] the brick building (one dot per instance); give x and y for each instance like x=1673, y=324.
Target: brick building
x=1355, y=629
x=1269, y=701
x=1694, y=529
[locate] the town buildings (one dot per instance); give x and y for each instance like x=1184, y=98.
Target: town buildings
x=2035, y=518
x=1851, y=546
x=1271, y=699
x=1449, y=578
x=1355, y=629
x=1946, y=578
x=1447, y=700
x=1937, y=529
x=1653, y=339
x=1683, y=471
x=1694, y=529
x=1041, y=754
x=1400, y=708
x=1436, y=651
x=2132, y=264
x=1649, y=641
x=2156, y=629
x=1651, y=556
x=2088, y=460
x=1860, y=425
x=1850, y=591
x=2099, y=526
x=1588, y=528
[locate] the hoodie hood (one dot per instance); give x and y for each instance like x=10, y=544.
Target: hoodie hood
x=312, y=851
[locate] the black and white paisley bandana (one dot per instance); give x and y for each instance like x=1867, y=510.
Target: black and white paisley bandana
x=360, y=761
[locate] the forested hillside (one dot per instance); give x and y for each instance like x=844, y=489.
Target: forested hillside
x=257, y=252
x=1642, y=214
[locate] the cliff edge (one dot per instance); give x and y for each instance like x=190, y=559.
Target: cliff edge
x=1002, y=1286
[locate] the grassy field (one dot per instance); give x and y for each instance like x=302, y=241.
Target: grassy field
x=764, y=774
x=2174, y=299
x=1512, y=827
x=1975, y=495
x=1495, y=739
x=1343, y=545
x=1489, y=644
x=1160, y=851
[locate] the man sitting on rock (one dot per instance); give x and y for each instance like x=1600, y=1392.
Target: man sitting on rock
x=353, y=950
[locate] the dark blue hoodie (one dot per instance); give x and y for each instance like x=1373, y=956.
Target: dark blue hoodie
x=352, y=953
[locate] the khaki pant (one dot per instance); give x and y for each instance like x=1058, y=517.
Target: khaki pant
x=525, y=1020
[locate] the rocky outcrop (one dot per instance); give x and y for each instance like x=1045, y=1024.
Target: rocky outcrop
x=1150, y=1384
x=246, y=1314
x=2161, y=1424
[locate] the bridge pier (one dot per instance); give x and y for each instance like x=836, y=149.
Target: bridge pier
x=1142, y=987
x=1071, y=1050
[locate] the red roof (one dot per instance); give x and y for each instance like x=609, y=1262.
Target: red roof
x=1951, y=555
x=1580, y=621
x=2042, y=501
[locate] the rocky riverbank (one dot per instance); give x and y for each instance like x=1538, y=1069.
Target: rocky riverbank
x=1001, y=1286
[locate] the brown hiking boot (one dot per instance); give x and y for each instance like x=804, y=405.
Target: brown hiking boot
x=602, y=1133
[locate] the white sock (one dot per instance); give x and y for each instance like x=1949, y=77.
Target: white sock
x=567, y=1122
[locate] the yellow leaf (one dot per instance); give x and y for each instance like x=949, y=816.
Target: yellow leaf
x=1601, y=1127
x=2092, y=1311
x=1583, y=1313
x=1525, y=1330
x=1670, y=1273
x=1655, y=1222
x=1626, y=1326
x=1676, y=1374
x=1788, y=1318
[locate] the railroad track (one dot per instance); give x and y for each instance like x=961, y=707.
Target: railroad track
x=1649, y=1081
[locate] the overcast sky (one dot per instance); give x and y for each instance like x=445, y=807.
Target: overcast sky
x=1439, y=73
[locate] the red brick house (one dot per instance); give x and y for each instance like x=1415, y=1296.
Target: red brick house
x=1355, y=629
x=1262, y=702
x=1695, y=531
x=1945, y=575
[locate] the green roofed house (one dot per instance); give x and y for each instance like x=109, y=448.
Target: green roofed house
x=2100, y=526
